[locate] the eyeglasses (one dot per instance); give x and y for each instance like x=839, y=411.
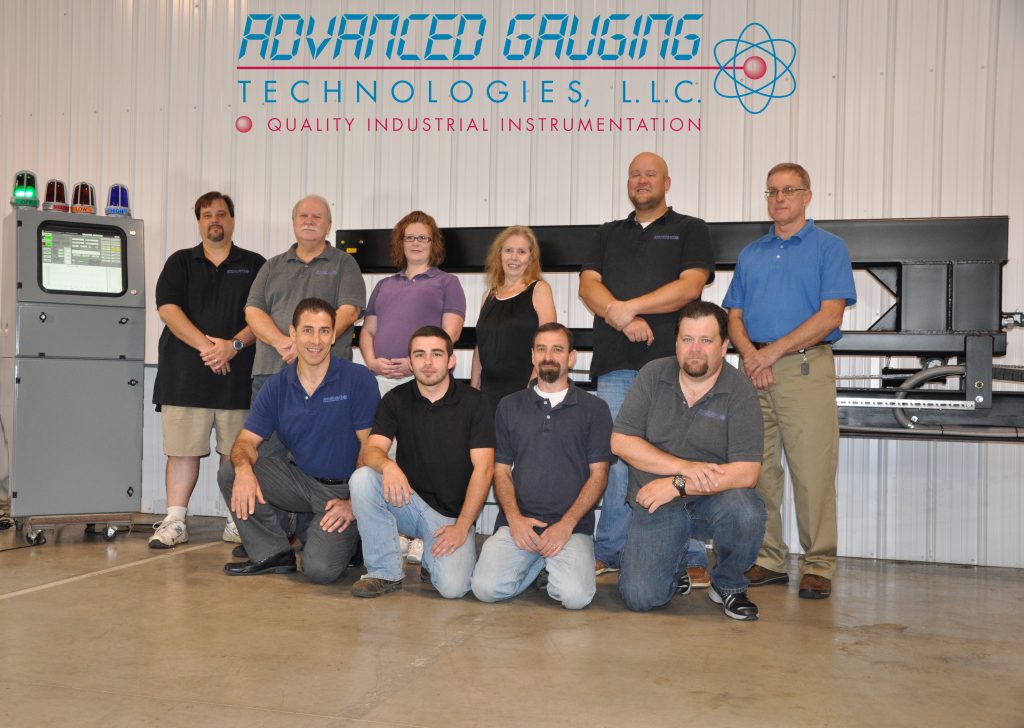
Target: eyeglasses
x=417, y=238
x=787, y=192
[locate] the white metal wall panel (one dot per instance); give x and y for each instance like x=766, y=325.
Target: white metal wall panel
x=903, y=108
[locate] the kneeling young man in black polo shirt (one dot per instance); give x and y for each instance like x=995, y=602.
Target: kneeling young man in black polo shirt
x=436, y=486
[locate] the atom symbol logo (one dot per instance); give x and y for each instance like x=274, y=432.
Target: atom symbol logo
x=742, y=54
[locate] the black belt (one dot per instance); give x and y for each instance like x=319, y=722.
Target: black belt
x=325, y=481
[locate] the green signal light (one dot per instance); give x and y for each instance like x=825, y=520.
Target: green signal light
x=24, y=193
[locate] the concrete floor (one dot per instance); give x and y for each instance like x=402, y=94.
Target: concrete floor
x=114, y=634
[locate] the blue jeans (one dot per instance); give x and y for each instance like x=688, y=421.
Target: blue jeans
x=504, y=570
x=610, y=536
x=655, y=546
x=380, y=522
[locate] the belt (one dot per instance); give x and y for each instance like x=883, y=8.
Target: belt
x=325, y=481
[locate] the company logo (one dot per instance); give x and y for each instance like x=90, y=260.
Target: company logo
x=746, y=53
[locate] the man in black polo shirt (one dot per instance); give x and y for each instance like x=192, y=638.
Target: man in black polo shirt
x=639, y=273
x=557, y=437
x=436, y=486
x=205, y=356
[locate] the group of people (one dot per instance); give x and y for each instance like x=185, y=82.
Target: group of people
x=396, y=458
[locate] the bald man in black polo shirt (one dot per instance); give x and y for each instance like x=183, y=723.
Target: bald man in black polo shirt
x=436, y=486
x=204, y=368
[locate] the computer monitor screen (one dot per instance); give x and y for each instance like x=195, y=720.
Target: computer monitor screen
x=83, y=259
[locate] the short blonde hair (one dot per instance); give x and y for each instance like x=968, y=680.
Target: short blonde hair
x=805, y=179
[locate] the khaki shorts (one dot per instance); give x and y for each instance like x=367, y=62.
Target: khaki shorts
x=187, y=429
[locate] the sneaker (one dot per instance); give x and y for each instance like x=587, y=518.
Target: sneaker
x=813, y=586
x=757, y=575
x=683, y=584
x=230, y=533
x=169, y=533
x=736, y=606
x=602, y=568
x=415, y=553
x=403, y=544
x=368, y=587
x=699, y=577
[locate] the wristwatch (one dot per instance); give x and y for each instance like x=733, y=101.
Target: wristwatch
x=679, y=483
x=237, y=344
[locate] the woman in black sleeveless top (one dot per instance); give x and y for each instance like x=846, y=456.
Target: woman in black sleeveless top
x=517, y=301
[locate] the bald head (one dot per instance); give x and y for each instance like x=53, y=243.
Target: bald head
x=647, y=184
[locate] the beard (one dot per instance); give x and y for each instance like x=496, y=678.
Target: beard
x=696, y=368
x=216, y=235
x=549, y=372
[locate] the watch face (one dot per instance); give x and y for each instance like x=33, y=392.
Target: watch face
x=238, y=345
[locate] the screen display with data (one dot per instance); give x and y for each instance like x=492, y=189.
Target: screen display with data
x=86, y=259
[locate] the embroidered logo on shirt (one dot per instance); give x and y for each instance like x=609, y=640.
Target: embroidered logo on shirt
x=665, y=237
x=235, y=271
x=335, y=398
x=720, y=416
x=325, y=272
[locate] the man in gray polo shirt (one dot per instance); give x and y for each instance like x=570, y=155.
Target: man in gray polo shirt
x=691, y=432
x=551, y=467
x=310, y=268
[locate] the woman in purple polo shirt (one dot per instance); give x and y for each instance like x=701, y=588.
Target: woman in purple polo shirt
x=420, y=294
x=517, y=301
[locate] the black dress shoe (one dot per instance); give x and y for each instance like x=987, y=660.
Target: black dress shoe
x=239, y=552
x=278, y=563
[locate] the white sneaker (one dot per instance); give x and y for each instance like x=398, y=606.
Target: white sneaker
x=404, y=542
x=415, y=554
x=230, y=533
x=169, y=533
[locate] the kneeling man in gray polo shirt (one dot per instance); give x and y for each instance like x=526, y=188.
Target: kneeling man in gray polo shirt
x=551, y=468
x=691, y=432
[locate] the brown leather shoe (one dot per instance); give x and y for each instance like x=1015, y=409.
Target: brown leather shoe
x=757, y=575
x=813, y=586
x=699, y=577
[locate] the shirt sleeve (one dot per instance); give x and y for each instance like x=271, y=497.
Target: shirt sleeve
x=735, y=295
x=385, y=423
x=632, y=419
x=454, y=296
x=172, y=285
x=481, y=433
x=371, y=306
x=504, y=448
x=594, y=259
x=697, y=251
x=262, y=419
x=365, y=399
x=351, y=286
x=599, y=438
x=837, y=273
x=258, y=291
x=746, y=429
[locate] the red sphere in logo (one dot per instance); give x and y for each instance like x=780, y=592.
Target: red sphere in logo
x=244, y=123
x=755, y=67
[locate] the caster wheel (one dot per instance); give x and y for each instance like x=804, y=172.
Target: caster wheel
x=90, y=529
x=35, y=538
x=110, y=533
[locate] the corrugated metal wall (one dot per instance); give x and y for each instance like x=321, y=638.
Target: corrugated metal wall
x=903, y=108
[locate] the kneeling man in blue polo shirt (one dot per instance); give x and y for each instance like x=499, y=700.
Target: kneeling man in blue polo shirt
x=552, y=458
x=436, y=485
x=691, y=432
x=321, y=408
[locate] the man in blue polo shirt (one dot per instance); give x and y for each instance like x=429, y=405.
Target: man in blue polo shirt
x=786, y=303
x=557, y=439
x=321, y=408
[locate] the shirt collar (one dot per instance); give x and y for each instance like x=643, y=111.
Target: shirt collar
x=451, y=397
x=199, y=253
x=723, y=385
x=796, y=238
x=568, y=400
x=431, y=272
x=631, y=217
x=290, y=254
x=333, y=372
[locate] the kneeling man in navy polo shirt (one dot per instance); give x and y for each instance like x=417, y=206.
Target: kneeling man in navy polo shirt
x=691, y=432
x=552, y=457
x=436, y=485
x=321, y=408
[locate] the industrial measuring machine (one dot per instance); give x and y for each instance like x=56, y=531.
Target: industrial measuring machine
x=72, y=346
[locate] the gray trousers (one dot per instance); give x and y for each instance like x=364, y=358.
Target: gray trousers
x=289, y=490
